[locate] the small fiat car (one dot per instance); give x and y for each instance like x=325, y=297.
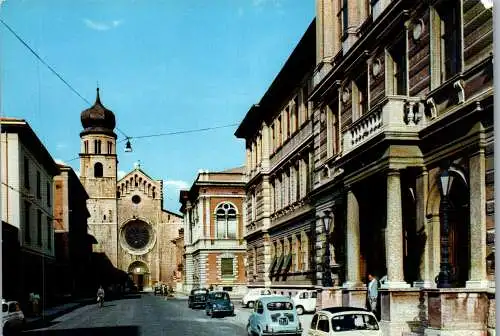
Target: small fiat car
x=219, y=303
x=344, y=321
x=274, y=315
x=13, y=321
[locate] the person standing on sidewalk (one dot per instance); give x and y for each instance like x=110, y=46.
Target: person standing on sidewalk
x=372, y=293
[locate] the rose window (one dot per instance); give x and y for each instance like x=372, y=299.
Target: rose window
x=137, y=235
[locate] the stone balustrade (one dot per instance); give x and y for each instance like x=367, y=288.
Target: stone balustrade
x=393, y=114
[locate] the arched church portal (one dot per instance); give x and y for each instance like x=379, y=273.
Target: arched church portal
x=139, y=273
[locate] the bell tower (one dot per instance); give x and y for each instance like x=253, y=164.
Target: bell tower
x=98, y=174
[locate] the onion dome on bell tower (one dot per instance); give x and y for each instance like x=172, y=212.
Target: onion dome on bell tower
x=98, y=119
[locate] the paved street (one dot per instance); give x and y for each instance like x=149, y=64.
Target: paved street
x=147, y=314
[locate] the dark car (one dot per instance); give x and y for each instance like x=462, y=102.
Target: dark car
x=197, y=298
x=219, y=302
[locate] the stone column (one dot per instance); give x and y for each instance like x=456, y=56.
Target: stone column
x=394, y=233
x=424, y=228
x=477, y=191
x=353, y=278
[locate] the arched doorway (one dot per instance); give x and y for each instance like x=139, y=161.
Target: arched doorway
x=140, y=274
x=459, y=226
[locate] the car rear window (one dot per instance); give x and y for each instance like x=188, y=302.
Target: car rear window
x=221, y=296
x=279, y=305
x=5, y=308
x=354, y=322
x=200, y=291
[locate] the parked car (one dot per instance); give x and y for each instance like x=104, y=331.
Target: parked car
x=344, y=321
x=274, y=315
x=252, y=295
x=13, y=320
x=158, y=290
x=219, y=302
x=305, y=301
x=197, y=298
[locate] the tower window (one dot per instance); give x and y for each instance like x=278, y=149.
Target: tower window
x=110, y=147
x=98, y=169
x=86, y=146
x=97, y=146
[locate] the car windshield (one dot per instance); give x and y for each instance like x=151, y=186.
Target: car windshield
x=221, y=296
x=348, y=322
x=279, y=306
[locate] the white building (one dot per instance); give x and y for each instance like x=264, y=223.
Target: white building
x=27, y=172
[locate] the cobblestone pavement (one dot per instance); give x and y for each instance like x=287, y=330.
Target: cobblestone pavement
x=146, y=314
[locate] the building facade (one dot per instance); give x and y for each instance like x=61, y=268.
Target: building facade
x=214, y=242
x=146, y=250
x=127, y=219
x=179, y=271
x=280, y=225
x=73, y=244
x=401, y=103
x=27, y=175
x=403, y=98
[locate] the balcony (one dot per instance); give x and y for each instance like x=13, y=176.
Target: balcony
x=292, y=144
x=395, y=114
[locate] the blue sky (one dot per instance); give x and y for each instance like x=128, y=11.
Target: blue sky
x=162, y=66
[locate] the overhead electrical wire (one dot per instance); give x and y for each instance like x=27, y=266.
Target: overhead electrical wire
x=126, y=137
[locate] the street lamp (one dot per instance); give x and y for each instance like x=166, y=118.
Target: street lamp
x=327, y=276
x=444, y=278
x=128, y=146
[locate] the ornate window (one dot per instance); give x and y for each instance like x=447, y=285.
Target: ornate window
x=226, y=221
x=137, y=235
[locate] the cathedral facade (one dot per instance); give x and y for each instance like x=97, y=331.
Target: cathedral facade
x=127, y=218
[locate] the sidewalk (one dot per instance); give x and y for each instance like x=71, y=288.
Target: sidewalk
x=54, y=312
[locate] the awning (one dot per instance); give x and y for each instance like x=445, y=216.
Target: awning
x=279, y=263
x=272, y=265
x=287, y=263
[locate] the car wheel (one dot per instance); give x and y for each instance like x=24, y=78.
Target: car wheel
x=300, y=310
x=250, y=304
x=212, y=314
x=249, y=330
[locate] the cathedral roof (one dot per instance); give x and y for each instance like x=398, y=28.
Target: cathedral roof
x=98, y=119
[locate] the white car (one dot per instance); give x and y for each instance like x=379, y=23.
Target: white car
x=344, y=321
x=12, y=317
x=252, y=295
x=305, y=301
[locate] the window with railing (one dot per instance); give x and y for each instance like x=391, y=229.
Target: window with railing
x=450, y=29
x=360, y=95
x=397, y=68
